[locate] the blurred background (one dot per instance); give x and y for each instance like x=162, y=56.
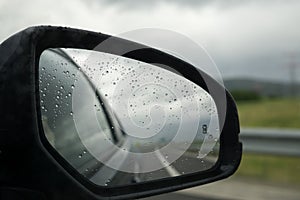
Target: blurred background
x=256, y=46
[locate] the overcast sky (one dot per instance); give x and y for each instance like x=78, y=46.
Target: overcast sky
x=245, y=38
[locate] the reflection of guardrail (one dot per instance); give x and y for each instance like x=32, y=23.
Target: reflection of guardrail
x=271, y=141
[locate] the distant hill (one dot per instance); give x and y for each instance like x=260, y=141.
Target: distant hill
x=263, y=88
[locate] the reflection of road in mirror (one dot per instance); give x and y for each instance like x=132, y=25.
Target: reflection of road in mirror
x=138, y=122
x=187, y=163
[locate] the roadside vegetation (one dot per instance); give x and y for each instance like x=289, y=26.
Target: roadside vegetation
x=273, y=113
x=270, y=113
x=268, y=168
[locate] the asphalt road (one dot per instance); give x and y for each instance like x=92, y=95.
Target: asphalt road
x=187, y=163
x=176, y=196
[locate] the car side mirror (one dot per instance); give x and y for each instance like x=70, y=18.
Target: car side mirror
x=92, y=116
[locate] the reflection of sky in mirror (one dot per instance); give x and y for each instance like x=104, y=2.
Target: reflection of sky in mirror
x=148, y=100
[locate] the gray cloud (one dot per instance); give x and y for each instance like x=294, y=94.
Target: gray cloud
x=245, y=38
x=145, y=4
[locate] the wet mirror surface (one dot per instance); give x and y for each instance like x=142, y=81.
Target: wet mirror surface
x=119, y=121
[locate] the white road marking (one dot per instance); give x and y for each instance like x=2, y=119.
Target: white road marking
x=169, y=168
x=106, y=174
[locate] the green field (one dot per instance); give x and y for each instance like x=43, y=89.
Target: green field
x=278, y=113
x=275, y=113
x=268, y=168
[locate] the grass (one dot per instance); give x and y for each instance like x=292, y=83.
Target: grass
x=275, y=169
x=274, y=113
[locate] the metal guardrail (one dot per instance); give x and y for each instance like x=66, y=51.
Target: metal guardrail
x=271, y=141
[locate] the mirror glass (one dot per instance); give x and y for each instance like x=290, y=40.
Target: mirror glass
x=119, y=121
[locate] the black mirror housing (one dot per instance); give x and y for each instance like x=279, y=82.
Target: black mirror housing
x=28, y=161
